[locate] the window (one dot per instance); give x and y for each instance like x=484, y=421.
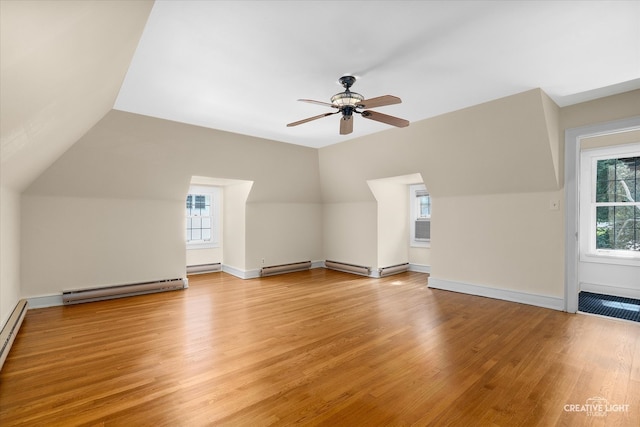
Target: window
x=202, y=217
x=420, y=208
x=612, y=211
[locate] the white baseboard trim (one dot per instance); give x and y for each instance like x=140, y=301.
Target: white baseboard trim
x=45, y=301
x=610, y=290
x=241, y=274
x=317, y=264
x=544, y=301
x=420, y=268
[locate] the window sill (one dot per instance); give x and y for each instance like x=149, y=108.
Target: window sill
x=204, y=245
x=415, y=244
x=611, y=258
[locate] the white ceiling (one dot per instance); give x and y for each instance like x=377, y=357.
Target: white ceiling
x=240, y=66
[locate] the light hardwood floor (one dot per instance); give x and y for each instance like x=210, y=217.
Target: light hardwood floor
x=318, y=347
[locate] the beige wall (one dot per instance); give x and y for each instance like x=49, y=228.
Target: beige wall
x=420, y=256
x=63, y=63
x=459, y=153
x=283, y=233
x=393, y=225
x=350, y=233
x=601, y=110
x=392, y=197
x=201, y=256
x=78, y=242
x=492, y=171
x=504, y=241
x=125, y=181
x=9, y=252
x=234, y=226
x=46, y=105
x=499, y=151
x=609, y=140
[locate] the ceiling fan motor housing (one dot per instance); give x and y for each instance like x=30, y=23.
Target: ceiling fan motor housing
x=347, y=81
x=347, y=112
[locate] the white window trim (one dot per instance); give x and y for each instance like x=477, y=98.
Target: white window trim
x=214, y=193
x=572, y=142
x=413, y=215
x=587, y=211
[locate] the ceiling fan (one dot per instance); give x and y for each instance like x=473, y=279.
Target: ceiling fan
x=348, y=102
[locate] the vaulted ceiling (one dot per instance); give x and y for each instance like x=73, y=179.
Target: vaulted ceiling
x=241, y=66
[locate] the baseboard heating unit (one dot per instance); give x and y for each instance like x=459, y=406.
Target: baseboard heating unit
x=394, y=269
x=285, y=268
x=120, y=291
x=10, y=330
x=204, y=268
x=348, y=268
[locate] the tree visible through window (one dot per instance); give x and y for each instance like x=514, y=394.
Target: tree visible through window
x=617, y=204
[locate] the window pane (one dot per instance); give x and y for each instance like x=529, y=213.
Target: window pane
x=617, y=227
x=196, y=222
x=199, y=217
x=625, y=168
x=635, y=245
x=604, y=227
x=625, y=227
x=606, y=191
x=424, y=203
x=636, y=194
x=200, y=201
x=626, y=190
x=605, y=184
x=617, y=180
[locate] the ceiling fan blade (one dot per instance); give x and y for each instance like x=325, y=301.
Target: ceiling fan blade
x=311, y=101
x=346, y=125
x=299, y=122
x=380, y=101
x=384, y=118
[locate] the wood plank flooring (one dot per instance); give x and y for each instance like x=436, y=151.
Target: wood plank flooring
x=318, y=348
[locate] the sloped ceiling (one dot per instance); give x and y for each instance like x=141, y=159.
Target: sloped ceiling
x=240, y=66
x=62, y=65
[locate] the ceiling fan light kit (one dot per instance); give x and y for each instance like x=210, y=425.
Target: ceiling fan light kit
x=348, y=102
x=347, y=98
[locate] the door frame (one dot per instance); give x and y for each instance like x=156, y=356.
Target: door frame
x=572, y=142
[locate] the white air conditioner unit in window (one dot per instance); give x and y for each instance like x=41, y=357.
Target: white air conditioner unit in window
x=423, y=229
